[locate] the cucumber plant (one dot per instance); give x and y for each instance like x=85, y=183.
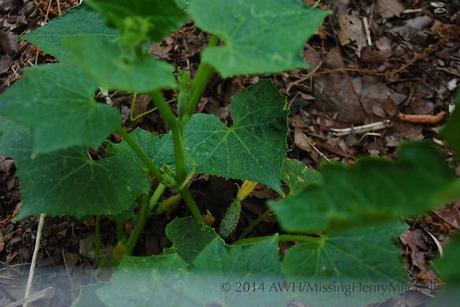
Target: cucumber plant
x=343, y=219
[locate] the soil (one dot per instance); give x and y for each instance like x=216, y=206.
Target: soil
x=406, y=61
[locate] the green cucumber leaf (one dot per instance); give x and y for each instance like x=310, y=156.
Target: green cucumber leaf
x=159, y=148
x=67, y=182
x=56, y=102
x=220, y=267
x=106, y=64
x=451, y=132
x=168, y=280
x=253, y=148
x=265, y=36
x=447, y=267
x=367, y=256
x=78, y=21
x=156, y=19
x=188, y=237
x=146, y=281
x=297, y=175
x=372, y=190
x=182, y=3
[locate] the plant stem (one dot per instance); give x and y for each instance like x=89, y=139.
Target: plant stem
x=179, y=154
x=154, y=171
x=187, y=197
x=144, y=213
x=164, y=108
x=254, y=223
x=203, y=74
x=156, y=197
x=281, y=238
x=177, y=134
x=138, y=226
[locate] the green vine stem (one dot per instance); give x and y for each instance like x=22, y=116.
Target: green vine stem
x=254, y=223
x=179, y=153
x=154, y=171
x=154, y=200
x=138, y=226
x=281, y=238
x=203, y=74
x=164, y=108
x=144, y=213
x=187, y=196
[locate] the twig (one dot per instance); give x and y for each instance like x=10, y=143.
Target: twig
x=423, y=119
x=436, y=241
x=45, y=293
x=412, y=11
x=58, y=3
x=363, y=129
x=367, y=31
x=48, y=11
x=41, y=222
x=308, y=76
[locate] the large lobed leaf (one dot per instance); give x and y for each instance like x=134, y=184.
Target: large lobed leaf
x=371, y=190
x=67, y=182
x=253, y=148
x=216, y=274
x=56, y=102
x=189, y=238
x=79, y=21
x=106, y=63
x=297, y=176
x=162, y=17
x=260, y=36
x=367, y=256
x=167, y=280
x=146, y=281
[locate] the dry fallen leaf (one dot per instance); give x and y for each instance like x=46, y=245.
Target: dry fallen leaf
x=351, y=30
x=302, y=140
x=389, y=8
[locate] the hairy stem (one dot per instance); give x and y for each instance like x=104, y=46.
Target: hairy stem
x=203, y=74
x=254, y=223
x=156, y=197
x=154, y=171
x=179, y=153
x=144, y=213
x=164, y=108
x=187, y=197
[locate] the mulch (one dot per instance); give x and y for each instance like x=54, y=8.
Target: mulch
x=382, y=61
